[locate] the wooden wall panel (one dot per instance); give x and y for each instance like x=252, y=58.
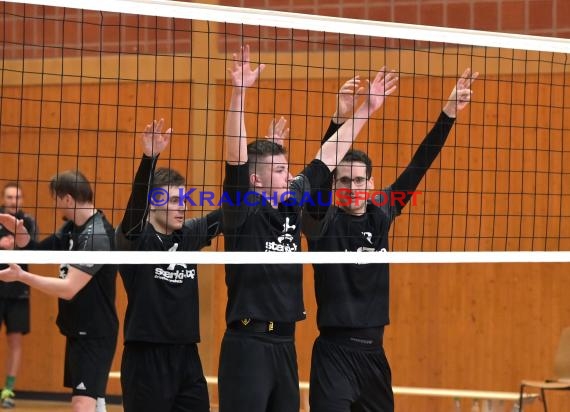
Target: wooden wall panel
x=481, y=326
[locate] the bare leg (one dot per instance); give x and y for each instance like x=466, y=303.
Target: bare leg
x=83, y=403
x=14, y=353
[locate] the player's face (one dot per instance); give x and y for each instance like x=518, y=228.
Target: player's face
x=273, y=177
x=352, y=186
x=12, y=200
x=170, y=216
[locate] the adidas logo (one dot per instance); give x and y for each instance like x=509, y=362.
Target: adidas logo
x=81, y=387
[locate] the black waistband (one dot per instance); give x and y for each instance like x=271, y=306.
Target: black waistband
x=357, y=336
x=259, y=326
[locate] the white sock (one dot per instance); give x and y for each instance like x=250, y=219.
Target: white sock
x=100, y=406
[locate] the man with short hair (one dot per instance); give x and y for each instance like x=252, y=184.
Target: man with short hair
x=14, y=297
x=87, y=316
x=349, y=369
x=258, y=364
x=161, y=368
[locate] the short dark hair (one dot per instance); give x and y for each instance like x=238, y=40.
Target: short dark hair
x=73, y=183
x=9, y=185
x=358, y=156
x=163, y=176
x=261, y=148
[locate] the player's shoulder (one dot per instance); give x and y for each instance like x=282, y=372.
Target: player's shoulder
x=98, y=225
x=100, y=220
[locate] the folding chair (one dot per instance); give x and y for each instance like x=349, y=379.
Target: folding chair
x=561, y=372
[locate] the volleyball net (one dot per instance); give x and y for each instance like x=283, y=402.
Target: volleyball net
x=78, y=86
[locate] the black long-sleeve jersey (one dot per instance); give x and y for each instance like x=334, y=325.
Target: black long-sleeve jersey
x=267, y=292
x=353, y=295
x=163, y=304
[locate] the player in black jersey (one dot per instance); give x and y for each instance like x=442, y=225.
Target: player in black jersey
x=161, y=369
x=258, y=366
x=349, y=369
x=15, y=296
x=87, y=315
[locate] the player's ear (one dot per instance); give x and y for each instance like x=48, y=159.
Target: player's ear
x=370, y=183
x=255, y=180
x=69, y=200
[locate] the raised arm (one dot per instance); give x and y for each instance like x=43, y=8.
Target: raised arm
x=461, y=94
x=432, y=144
x=242, y=77
x=334, y=149
x=347, y=98
x=154, y=141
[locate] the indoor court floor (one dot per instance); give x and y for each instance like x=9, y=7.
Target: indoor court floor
x=23, y=405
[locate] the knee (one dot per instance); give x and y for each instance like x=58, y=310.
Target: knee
x=14, y=339
x=83, y=404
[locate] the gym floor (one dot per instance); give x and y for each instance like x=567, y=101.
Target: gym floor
x=23, y=405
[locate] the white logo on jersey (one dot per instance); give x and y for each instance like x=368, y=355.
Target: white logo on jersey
x=368, y=236
x=174, y=277
x=366, y=249
x=285, y=242
x=286, y=226
x=64, y=268
x=170, y=274
x=174, y=248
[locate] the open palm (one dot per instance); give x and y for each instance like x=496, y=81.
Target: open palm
x=347, y=97
x=153, y=140
x=460, y=96
x=278, y=132
x=241, y=73
x=384, y=84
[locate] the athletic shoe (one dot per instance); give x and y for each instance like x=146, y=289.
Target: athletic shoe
x=7, y=398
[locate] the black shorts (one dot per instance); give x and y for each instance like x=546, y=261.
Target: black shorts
x=258, y=373
x=15, y=313
x=349, y=378
x=163, y=377
x=87, y=365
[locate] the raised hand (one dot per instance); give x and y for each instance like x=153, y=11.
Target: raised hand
x=278, y=132
x=347, y=97
x=153, y=140
x=241, y=73
x=17, y=228
x=384, y=84
x=461, y=94
x=11, y=274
